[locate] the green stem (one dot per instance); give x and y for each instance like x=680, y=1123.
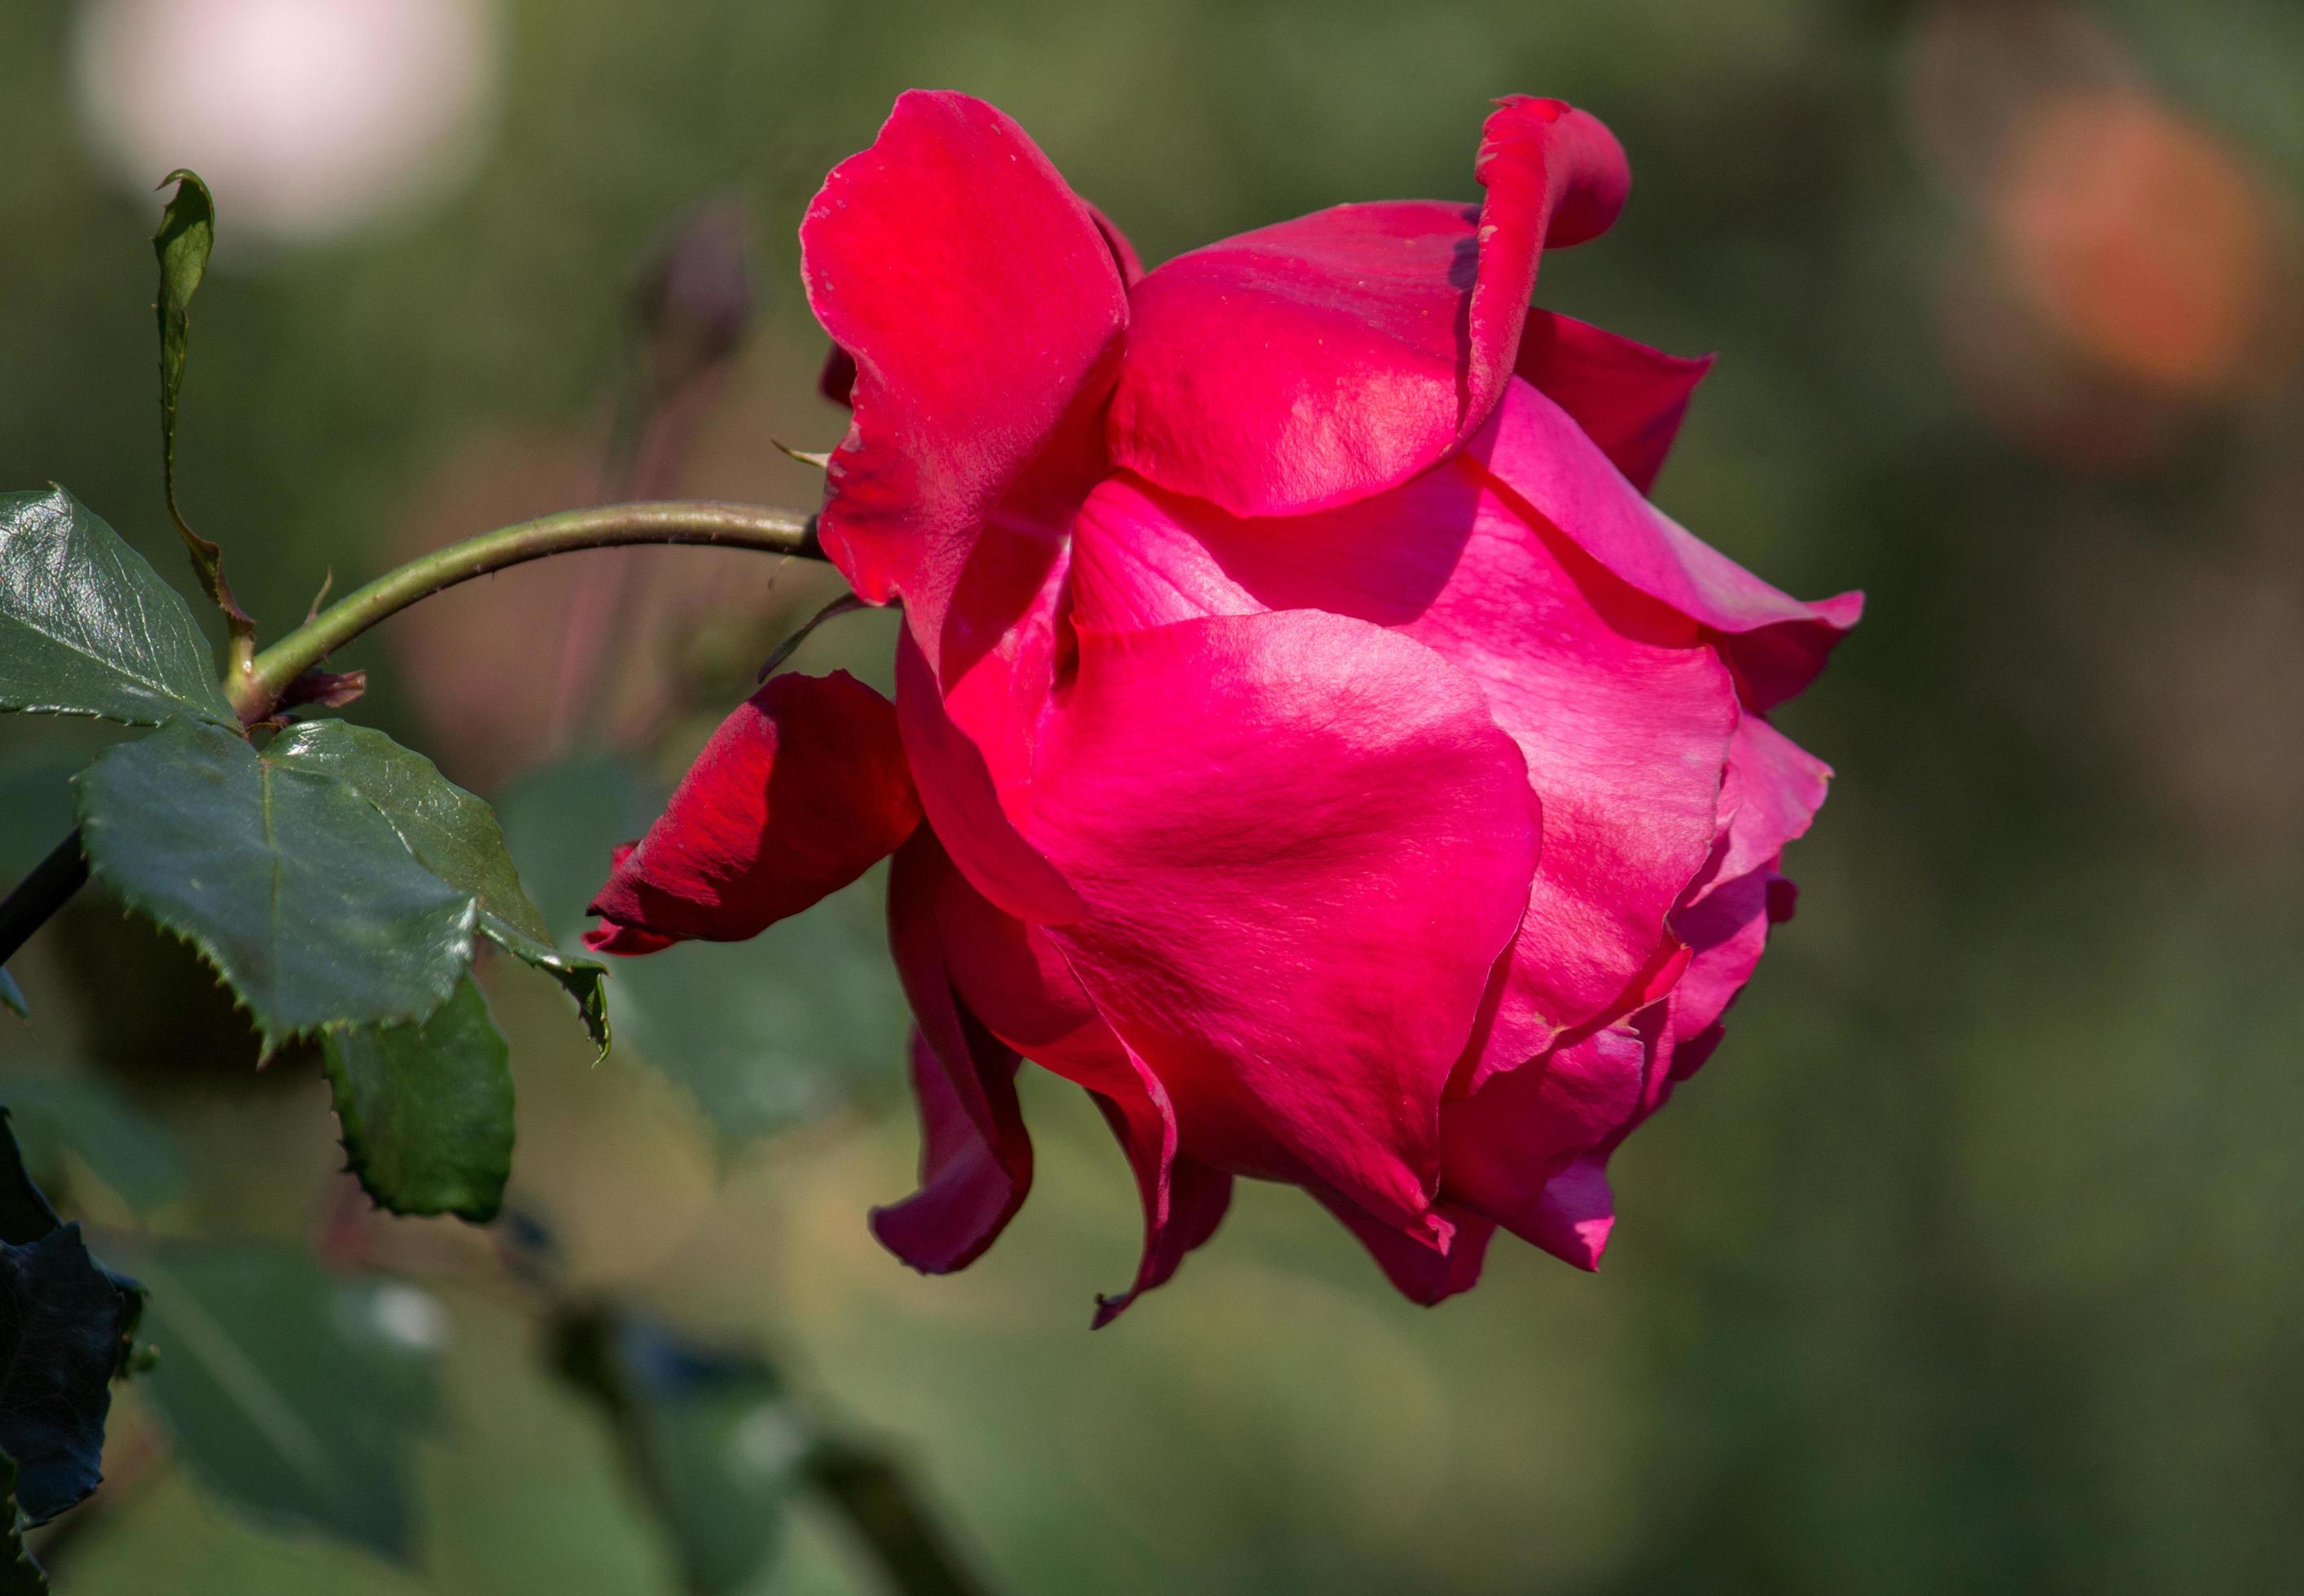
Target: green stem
x=256, y=686
x=51, y=885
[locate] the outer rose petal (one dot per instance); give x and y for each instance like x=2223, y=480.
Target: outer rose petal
x=1009, y=974
x=1303, y=365
x=837, y=380
x=1301, y=842
x=1529, y=1147
x=1184, y=1201
x=976, y=1160
x=1775, y=643
x=1726, y=931
x=1418, y=1272
x=1626, y=397
x=983, y=311
x=1773, y=789
x=1574, y=1214
x=800, y=791
x=627, y=940
x=968, y=1191
x=1625, y=737
x=963, y=798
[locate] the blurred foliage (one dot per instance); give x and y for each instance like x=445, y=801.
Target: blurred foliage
x=1971, y=1261
x=294, y=1392
x=763, y=1035
x=706, y=1431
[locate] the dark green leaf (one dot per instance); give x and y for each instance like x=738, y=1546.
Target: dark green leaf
x=707, y=1432
x=287, y=882
x=87, y=627
x=454, y=835
x=763, y=1035
x=64, y=1326
x=19, y=1574
x=123, y=1146
x=187, y=235
x=27, y=1217
x=426, y=1109
x=11, y=996
x=294, y=1392
x=61, y=1326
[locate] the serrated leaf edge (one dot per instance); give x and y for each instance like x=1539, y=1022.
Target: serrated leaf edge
x=350, y=1134
x=591, y=1008
x=273, y=1036
x=210, y=714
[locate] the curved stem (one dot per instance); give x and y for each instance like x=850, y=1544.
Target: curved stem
x=256, y=690
x=255, y=686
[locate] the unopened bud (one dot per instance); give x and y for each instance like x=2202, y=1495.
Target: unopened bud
x=696, y=299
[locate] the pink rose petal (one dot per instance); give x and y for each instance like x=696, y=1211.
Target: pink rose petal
x=1311, y=363
x=1626, y=397
x=976, y=1160
x=799, y=792
x=1301, y=842
x=1625, y=736
x=1421, y=1273
x=982, y=309
x=1529, y=1148
x=1009, y=975
x=1775, y=643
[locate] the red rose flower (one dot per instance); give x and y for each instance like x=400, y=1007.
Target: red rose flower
x=1329, y=758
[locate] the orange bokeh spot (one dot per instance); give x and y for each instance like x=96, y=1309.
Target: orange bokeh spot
x=2141, y=238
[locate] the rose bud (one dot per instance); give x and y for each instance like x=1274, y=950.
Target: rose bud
x=1330, y=760
x=695, y=301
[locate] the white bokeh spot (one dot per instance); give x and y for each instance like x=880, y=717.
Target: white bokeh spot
x=308, y=118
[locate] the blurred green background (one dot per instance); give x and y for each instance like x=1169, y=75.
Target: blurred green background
x=1971, y=1263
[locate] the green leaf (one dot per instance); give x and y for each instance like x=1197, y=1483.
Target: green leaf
x=707, y=1432
x=287, y=882
x=11, y=996
x=294, y=1392
x=762, y=1034
x=123, y=1146
x=454, y=835
x=452, y=832
x=584, y=979
x=19, y=1574
x=186, y=237
x=428, y=1109
x=87, y=627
